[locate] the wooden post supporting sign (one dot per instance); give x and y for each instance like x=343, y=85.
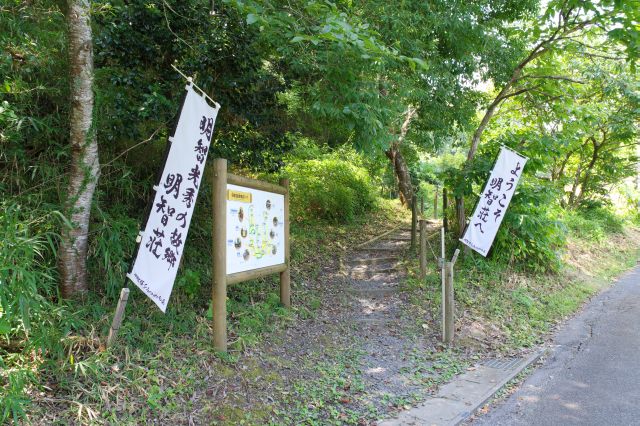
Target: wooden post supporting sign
x=285, y=276
x=219, y=290
x=224, y=275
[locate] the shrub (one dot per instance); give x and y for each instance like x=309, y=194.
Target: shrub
x=531, y=234
x=594, y=222
x=335, y=187
x=29, y=321
x=24, y=280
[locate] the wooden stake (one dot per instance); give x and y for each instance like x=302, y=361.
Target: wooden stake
x=414, y=221
x=449, y=305
x=443, y=275
x=118, y=317
x=285, y=276
x=423, y=249
x=445, y=223
x=219, y=284
x=435, y=202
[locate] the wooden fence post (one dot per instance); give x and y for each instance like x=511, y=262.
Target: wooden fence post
x=443, y=276
x=423, y=249
x=449, y=317
x=449, y=305
x=435, y=202
x=445, y=223
x=219, y=287
x=414, y=221
x=285, y=276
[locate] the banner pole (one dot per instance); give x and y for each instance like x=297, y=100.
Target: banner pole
x=118, y=317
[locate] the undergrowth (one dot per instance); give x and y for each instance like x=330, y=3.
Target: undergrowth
x=506, y=306
x=161, y=360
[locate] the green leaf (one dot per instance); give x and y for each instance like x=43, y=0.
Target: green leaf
x=252, y=18
x=5, y=327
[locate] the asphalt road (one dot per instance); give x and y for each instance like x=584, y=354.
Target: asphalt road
x=592, y=375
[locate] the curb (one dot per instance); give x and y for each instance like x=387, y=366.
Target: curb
x=461, y=417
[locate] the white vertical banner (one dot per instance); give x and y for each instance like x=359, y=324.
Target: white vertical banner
x=494, y=200
x=162, y=245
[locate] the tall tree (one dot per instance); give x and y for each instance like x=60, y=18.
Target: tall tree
x=563, y=24
x=85, y=166
x=354, y=67
x=398, y=162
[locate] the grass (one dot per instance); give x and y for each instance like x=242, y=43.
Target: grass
x=503, y=308
x=435, y=367
x=163, y=368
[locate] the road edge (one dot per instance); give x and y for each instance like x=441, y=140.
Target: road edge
x=461, y=417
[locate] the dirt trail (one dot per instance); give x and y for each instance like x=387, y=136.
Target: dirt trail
x=363, y=355
x=375, y=275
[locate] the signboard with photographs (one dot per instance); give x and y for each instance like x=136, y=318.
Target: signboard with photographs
x=255, y=229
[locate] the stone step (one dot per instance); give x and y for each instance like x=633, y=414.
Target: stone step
x=374, y=292
x=391, y=244
x=383, y=250
x=363, y=275
x=373, y=260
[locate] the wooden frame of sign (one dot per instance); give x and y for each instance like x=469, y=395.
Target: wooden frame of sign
x=220, y=194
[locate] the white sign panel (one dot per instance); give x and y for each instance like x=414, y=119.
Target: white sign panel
x=255, y=229
x=494, y=200
x=154, y=269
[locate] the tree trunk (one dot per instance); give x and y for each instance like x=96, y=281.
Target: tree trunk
x=574, y=187
x=584, y=186
x=85, y=167
x=400, y=168
x=460, y=215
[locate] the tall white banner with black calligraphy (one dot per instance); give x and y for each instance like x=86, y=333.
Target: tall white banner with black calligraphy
x=162, y=245
x=494, y=200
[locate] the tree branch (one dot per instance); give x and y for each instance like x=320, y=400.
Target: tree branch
x=552, y=77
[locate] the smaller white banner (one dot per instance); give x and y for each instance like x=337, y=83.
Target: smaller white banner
x=155, y=267
x=494, y=200
x=255, y=229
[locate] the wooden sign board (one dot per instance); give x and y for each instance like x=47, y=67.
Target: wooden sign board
x=250, y=238
x=255, y=229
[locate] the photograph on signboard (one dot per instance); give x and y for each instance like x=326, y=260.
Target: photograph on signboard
x=255, y=229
